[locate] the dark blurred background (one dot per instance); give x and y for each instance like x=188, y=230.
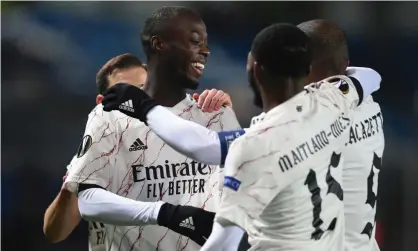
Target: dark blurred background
x=51, y=51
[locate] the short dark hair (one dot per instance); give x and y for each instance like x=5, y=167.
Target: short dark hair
x=282, y=50
x=157, y=23
x=123, y=61
x=328, y=43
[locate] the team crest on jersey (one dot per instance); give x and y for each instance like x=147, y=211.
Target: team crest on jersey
x=84, y=146
x=344, y=87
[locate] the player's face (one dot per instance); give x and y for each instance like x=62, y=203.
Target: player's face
x=187, y=49
x=136, y=76
x=252, y=81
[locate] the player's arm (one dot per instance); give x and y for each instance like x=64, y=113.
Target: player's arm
x=196, y=141
x=186, y=137
x=191, y=139
x=249, y=185
x=97, y=204
x=61, y=217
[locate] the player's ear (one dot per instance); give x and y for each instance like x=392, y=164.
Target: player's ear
x=157, y=44
x=99, y=99
x=257, y=69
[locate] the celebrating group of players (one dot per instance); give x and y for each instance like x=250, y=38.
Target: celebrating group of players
x=158, y=169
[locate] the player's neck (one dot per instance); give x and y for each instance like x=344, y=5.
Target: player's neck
x=271, y=99
x=270, y=104
x=273, y=96
x=163, y=90
x=323, y=74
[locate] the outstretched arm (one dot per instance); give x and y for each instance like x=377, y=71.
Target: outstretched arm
x=188, y=138
x=99, y=205
x=191, y=139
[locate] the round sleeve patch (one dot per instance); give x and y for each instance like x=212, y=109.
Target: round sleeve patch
x=340, y=84
x=84, y=146
x=344, y=87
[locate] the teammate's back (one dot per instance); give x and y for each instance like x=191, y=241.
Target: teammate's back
x=362, y=164
x=290, y=172
x=300, y=215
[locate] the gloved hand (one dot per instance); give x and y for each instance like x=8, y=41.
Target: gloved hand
x=128, y=99
x=189, y=221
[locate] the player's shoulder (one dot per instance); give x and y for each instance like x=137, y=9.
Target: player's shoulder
x=223, y=111
x=222, y=119
x=99, y=114
x=226, y=111
x=257, y=119
x=369, y=101
x=340, y=83
x=259, y=140
x=241, y=151
x=336, y=93
x=113, y=119
x=368, y=108
x=225, y=116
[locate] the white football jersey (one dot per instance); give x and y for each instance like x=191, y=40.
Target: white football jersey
x=97, y=235
x=283, y=177
x=124, y=156
x=362, y=163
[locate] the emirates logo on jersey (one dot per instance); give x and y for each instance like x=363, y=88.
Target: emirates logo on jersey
x=173, y=178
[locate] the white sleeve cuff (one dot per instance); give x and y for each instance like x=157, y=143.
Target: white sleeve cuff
x=99, y=205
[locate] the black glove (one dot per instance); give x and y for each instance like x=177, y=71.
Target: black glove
x=128, y=99
x=192, y=222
